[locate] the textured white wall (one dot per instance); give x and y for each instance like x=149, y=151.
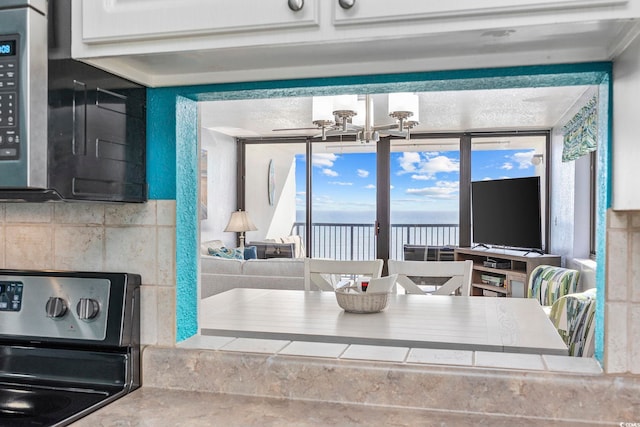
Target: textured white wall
x=222, y=165
x=277, y=220
x=569, y=196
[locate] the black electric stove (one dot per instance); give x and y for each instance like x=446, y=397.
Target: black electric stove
x=69, y=344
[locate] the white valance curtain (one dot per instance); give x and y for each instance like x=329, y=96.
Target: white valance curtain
x=581, y=133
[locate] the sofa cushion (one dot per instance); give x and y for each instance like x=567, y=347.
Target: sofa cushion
x=204, y=246
x=215, y=265
x=250, y=252
x=228, y=253
x=282, y=267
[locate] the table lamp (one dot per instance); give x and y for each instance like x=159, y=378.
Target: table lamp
x=239, y=223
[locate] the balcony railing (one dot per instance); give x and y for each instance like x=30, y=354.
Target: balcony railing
x=358, y=242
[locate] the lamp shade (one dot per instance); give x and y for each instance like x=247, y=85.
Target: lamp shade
x=345, y=103
x=322, y=108
x=403, y=101
x=363, y=115
x=240, y=222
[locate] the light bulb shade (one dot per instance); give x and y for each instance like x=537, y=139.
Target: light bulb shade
x=345, y=103
x=404, y=101
x=322, y=109
x=416, y=115
x=362, y=116
x=240, y=222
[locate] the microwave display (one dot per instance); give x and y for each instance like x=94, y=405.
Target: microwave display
x=8, y=48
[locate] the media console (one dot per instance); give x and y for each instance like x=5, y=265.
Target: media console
x=510, y=281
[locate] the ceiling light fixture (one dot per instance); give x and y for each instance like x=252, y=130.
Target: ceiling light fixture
x=353, y=115
x=403, y=106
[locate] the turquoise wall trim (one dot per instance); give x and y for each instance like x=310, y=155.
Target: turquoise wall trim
x=161, y=143
x=604, y=188
x=187, y=238
x=172, y=116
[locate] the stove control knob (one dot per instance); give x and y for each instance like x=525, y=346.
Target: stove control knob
x=56, y=307
x=87, y=308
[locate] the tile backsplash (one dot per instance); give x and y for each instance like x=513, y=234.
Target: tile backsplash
x=131, y=238
x=140, y=238
x=622, y=296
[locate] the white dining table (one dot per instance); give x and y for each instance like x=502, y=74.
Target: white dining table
x=516, y=325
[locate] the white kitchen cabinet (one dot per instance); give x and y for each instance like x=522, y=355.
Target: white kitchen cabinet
x=112, y=21
x=171, y=43
x=377, y=12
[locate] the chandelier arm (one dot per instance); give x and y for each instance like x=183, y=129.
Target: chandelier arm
x=385, y=127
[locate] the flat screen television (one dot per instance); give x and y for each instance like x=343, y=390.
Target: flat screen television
x=506, y=212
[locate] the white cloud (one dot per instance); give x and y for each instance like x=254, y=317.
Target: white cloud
x=448, y=184
x=340, y=183
x=428, y=168
x=421, y=177
x=363, y=173
x=523, y=159
x=440, y=164
x=301, y=193
x=409, y=161
x=370, y=186
x=324, y=159
x=507, y=166
x=391, y=187
x=329, y=172
x=431, y=153
x=442, y=190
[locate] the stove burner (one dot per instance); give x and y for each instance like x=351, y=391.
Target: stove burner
x=16, y=403
x=25, y=405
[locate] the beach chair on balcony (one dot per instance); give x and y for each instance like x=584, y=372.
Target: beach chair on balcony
x=325, y=274
x=433, y=277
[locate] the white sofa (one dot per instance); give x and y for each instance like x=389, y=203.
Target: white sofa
x=219, y=275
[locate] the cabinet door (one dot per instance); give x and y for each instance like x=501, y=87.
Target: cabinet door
x=517, y=285
x=382, y=11
x=134, y=20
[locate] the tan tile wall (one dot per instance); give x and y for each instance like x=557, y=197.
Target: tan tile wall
x=622, y=306
x=133, y=238
x=140, y=238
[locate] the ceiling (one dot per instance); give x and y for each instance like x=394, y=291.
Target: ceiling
x=443, y=111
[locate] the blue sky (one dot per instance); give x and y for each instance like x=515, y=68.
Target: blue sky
x=426, y=180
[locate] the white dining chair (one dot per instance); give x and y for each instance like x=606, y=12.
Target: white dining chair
x=326, y=273
x=456, y=274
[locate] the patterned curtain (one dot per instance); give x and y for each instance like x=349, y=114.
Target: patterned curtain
x=581, y=133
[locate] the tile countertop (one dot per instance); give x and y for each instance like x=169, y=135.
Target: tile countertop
x=243, y=382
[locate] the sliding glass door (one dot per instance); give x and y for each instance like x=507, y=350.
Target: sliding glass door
x=343, y=200
x=424, y=195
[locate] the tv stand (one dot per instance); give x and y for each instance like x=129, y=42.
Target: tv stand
x=535, y=251
x=481, y=245
x=513, y=280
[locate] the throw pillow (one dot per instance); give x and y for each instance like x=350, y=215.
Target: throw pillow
x=250, y=252
x=227, y=253
x=204, y=246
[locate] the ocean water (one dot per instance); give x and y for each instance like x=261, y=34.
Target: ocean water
x=359, y=243
x=368, y=217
